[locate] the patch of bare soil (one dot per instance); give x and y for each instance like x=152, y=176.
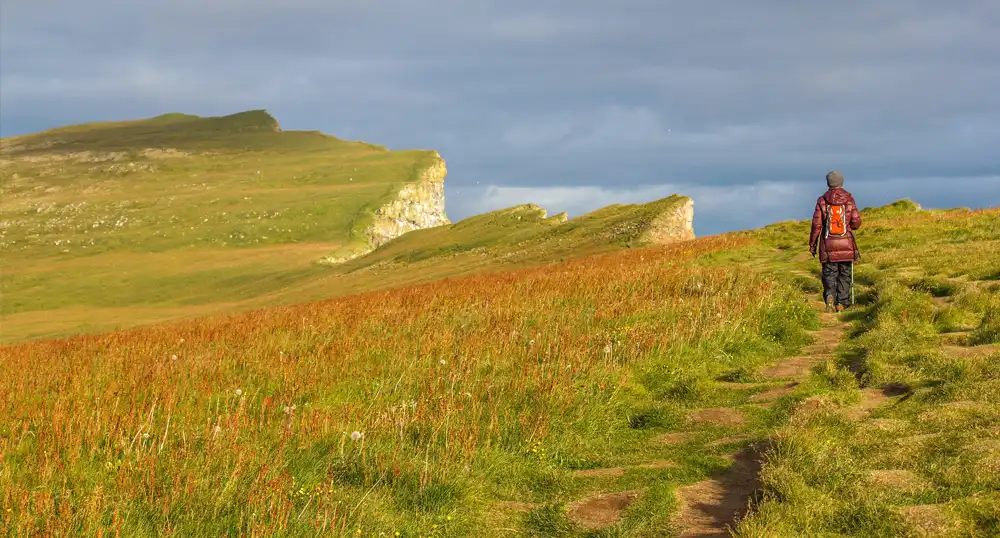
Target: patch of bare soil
x=897, y=480
x=827, y=340
x=601, y=511
x=928, y=520
x=790, y=368
x=717, y=416
x=776, y=393
x=712, y=507
x=870, y=399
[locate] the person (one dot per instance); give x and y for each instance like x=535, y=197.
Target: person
x=834, y=221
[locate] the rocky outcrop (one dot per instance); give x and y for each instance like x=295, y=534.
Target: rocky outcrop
x=674, y=224
x=417, y=205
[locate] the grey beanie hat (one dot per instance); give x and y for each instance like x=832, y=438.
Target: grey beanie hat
x=834, y=179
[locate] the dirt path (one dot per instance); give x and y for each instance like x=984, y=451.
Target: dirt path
x=711, y=508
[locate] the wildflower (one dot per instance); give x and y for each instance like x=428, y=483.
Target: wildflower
x=443, y=362
x=217, y=429
x=239, y=392
x=174, y=357
x=531, y=343
x=145, y=435
x=355, y=436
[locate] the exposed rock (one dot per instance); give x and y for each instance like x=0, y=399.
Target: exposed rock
x=417, y=205
x=676, y=224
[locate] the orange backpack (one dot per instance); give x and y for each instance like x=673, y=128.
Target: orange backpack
x=836, y=221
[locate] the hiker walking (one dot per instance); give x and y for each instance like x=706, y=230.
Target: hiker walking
x=833, y=224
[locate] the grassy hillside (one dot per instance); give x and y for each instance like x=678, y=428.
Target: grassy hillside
x=153, y=219
x=200, y=232
x=647, y=392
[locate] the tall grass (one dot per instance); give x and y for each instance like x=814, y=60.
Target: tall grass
x=408, y=410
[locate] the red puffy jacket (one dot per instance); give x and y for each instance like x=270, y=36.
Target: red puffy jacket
x=835, y=249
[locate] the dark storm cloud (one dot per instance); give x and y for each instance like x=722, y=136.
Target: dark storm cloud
x=572, y=105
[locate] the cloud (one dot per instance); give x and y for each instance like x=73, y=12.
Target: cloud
x=538, y=98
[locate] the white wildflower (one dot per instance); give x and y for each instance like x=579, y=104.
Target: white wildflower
x=174, y=357
x=239, y=392
x=443, y=361
x=145, y=435
x=356, y=436
x=217, y=429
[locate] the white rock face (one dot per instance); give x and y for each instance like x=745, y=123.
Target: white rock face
x=417, y=205
x=672, y=225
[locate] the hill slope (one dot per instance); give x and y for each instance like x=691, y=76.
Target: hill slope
x=180, y=211
x=116, y=225
x=653, y=391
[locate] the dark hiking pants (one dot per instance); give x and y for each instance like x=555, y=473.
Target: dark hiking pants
x=837, y=282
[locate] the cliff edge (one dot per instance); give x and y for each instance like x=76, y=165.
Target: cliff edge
x=415, y=206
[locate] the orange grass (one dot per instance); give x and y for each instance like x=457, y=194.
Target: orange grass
x=242, y=424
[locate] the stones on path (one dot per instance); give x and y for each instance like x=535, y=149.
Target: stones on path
x=601, y=511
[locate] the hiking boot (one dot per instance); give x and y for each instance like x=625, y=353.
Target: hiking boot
x=829, y=304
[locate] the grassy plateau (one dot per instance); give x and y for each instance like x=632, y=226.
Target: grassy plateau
x=117, y=224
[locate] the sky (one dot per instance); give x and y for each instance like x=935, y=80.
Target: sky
x=744, y=106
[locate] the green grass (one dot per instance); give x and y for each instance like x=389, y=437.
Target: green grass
x=924, y=276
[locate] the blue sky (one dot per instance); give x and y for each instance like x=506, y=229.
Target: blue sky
x=572, y=105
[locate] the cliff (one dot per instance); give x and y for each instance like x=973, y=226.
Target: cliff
x=415, y=206
x=675, y=223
